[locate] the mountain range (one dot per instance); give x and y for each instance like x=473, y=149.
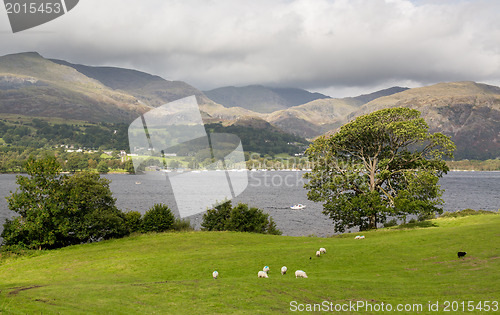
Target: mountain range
x=32, y=85
x=262, y=99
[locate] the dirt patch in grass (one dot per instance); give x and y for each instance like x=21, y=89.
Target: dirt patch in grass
x=50, y=302
x=433, y=257
x=16, y=290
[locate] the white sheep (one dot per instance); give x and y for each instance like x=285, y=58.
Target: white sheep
x=300, y=274
x=283, y=270
x=322, y=250
x=215, y=274
x=318, y=253
x=361, y=237
x=262, y=274
x=357, y=237
x=266, y=269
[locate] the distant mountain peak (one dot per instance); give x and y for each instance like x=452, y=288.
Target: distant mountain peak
x=260, y=98
x=365, y=98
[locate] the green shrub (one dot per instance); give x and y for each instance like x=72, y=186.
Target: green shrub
x=133, y=220
x=392, y=222
x=272, y=228
x=158, y=218
x=215, y=219
x=426, y=216
x=182, y=225
x=244, y=219
x=465, y=212
x=240, y=218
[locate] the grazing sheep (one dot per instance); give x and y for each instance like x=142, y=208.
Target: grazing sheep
x=262, y=274
x=266, y=269
x=361, y=237
x=300, y=274
x=322, y=250
x=283, y=270
x=215, y=274
x=357, y=237
x=318, y=253
x=461, y=254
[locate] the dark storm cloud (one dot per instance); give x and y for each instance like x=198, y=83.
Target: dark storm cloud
x=320, y=44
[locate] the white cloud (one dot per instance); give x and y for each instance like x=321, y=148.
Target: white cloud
x=318, y=44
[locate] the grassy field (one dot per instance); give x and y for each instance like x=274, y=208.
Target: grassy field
x=171, y=273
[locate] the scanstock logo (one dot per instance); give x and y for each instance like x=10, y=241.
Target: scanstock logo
x=204, y=168
x=26, y=14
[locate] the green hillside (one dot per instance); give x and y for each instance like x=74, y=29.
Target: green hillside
x=34, y=86
x=172, y=273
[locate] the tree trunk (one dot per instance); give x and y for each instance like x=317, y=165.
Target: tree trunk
x=373, y=218
x=373, y=221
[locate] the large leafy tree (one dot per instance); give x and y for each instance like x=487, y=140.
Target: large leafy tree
x=382, y=164
x=57, y=210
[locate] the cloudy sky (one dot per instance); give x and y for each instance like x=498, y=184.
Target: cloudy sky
x=338, y=47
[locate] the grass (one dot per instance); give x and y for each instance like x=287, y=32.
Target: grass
x=171, y=272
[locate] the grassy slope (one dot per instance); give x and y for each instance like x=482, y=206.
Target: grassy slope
x=171, y=273
x=63, y=92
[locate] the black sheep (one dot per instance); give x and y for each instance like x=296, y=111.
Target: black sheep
x=461, y=254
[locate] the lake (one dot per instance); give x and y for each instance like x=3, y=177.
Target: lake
x=276, y=191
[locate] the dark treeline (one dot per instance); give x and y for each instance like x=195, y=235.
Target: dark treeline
x=263, y=141
x=13, y=160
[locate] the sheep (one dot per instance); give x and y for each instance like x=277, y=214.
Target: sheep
x=215, y=274
x=318, y=253
x=322, y=250
x=266, y=269
x=262, y=274
x=300, y=274
x=283, y=270
x=461, y=254
x=359, y=237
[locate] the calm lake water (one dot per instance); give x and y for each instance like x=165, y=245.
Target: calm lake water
x=275, y=192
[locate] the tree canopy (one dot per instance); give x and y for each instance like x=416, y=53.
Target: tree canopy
x=58, y=210
x=382, y=164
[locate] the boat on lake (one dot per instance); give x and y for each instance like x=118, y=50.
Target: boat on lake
x=298, y=207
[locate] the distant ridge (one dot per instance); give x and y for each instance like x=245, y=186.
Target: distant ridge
x=365, y=98
x=150, y=89
x=468, y=112
x=321, y=115
x=35, y=86
x=261, y=99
